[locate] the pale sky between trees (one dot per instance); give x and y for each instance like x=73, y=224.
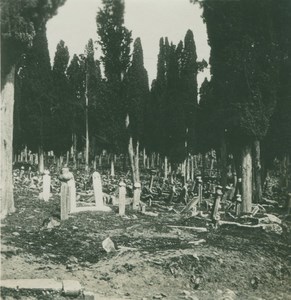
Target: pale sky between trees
x=150, y=20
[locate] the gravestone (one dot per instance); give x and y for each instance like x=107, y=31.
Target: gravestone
x=238, y=202
x=68, y=193
x=215, y=216
x=46, y=185
x=136, y=196
x=98, y=194
x=21, y=172
x=97, y=186
x=122, y=195
x=200, y=189
x=73, y=197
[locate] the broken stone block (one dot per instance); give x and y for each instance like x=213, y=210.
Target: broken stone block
x=89, y=296
x=108, y=245
x=71, y=288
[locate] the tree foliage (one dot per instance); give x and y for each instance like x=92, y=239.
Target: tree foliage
x=137, y=92
x=36, y=94
x=19, y=22
x=243, y=64
x=115, y=41
x=61, y=110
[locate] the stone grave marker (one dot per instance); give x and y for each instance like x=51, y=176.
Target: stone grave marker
x=136, y=196
x=122, y=195
x=46, y=185
x=68, y=193
x=98, y=194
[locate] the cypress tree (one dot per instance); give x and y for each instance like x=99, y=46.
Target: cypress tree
x=188, y=73
x=36, y=96
x=115, y=41
x=243, y=65
x=76, y=81
x=19, y=22
x=61, y=109
x=137, y=92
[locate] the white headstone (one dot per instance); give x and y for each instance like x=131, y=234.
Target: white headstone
x=46, y=185
x=72, y=189
x=98, y=194
x=97, y=186
x=136, y=196
x=122, y=194
x=68, y=193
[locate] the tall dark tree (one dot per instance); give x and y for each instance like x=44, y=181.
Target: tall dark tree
x=115, y=41
x=37, y=97
x=93, y=95
x=155, y=118
x=188, y=74
x=76, y=81
x=174, y=110
x=61, y=139
x=278, y=141
x=243, y=65
x=19, y=22
x=207, y=119
x=137, y=93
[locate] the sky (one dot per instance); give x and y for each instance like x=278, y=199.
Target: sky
x=150, y=20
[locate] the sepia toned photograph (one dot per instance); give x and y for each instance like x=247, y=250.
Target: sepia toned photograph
x=145, y=150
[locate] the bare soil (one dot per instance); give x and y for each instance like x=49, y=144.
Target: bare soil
x=159, y=262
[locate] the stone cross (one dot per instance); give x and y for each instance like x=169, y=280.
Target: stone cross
x=122, y=195
x=46, y=185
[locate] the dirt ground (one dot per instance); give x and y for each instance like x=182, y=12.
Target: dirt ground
x=151, y=261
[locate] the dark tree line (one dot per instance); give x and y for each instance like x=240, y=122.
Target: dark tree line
x=243, y=112
x=245, y=108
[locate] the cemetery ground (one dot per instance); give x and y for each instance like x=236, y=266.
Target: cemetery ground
x=162, y=255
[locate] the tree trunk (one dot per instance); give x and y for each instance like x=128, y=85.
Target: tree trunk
x=153, y=160
x=25, y=154
x=68, y=158
x=288, y=172
x=257, y=172
x=131, y=159
x=6, y=179
x=283, y=172
x=158, y=160
x=188, y=169
x=134, y=160
x=223, y=161
x=87, y=128
x=74, y=150
x=203, y=161
x=192, y=168
x=124, y=162
x=144, y=158
x=95, y=163
x=166, y=167
x=212, y=160
x=137, y=177
x=148, y=162
x=112, y=173
x=40, y=159
x=246, y=179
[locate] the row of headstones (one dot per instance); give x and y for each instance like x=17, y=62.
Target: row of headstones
x=68, y=194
